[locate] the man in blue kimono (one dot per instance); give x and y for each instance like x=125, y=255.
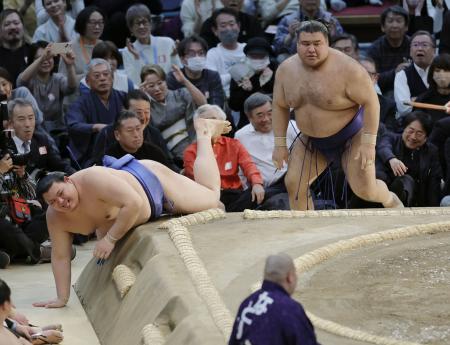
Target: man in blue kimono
x=270, y=316
x=93, y=111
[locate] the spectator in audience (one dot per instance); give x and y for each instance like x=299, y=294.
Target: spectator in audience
x=409, y=164
x=347, y=44
x=6, y=90
x=229, y=51
x=231, y=156
x=257, y=138
x=129, y=135
x=273, y=11
x=41, y=154
x=192, y=52
x=93, y=111
x=413, y=80
x=424, y=15
x=74, y=7
x=13, y=47
x=285, y=42
x=388, y=111
x=270, y=315
x=59, y=27
x=249, y=25
x=147, y=49
x=89, y=25
x=26, y=9
x=194, y=12
x=391, y=51
x=48, y=87
x=139, y=103
x=172, y=110
x=444, y=44
x=257, y=53
x=438, y=91
x=107, y=50
x=116, y=28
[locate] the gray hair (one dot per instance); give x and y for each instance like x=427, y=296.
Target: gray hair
x=254, y=101
x=278, y=267
x=137, y=11
x=96, y=62
x=18, y=102
x=200, y=112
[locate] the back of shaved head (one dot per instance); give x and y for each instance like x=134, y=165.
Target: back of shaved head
x=278, y=267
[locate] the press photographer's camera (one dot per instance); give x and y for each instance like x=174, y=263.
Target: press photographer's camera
x=7, y=145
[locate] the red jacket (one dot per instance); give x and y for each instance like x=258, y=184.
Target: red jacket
x=230, y=156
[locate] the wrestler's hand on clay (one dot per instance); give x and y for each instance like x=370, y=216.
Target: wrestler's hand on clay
x=103, y=248
x=54, y=303
x=397, y=166
x=280, y=156
x=366, y=153
x=258, y=193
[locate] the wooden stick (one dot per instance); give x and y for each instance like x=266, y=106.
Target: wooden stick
x=425, y=105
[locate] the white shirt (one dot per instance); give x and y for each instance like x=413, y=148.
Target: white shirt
x=19, y=145
x=158, y=52
x=260, y=147
x=269, y=11
x=401, y=89
x=49, y=31
x=220, y=59
x=189, y=16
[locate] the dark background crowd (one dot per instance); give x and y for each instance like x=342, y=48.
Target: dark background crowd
x=134, y=72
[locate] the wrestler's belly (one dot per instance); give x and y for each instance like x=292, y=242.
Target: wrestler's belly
x=320, y=123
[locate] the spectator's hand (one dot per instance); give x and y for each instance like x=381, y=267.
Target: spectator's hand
x=447, y=107
x=5, y=164
x=280, y=156
x=47, y=53
x=366, y=153
x=175, y=48
x=397, y=166
x=246, y=84
x=402, y=66
x=54, y=303
x=19, y=170
x=197, y=8
x=257, y=193
x=103, y=249
x=97, y=127
x=69, y=57
x=178, y=74
x=131, y=49
x=23, y=331
x=20, y=318
x=292, y=28
x=439, y=3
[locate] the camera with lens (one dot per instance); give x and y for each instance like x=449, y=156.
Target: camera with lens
x=7, y=145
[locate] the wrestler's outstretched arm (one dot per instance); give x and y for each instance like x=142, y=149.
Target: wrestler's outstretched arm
x=359, y=89
x=280, y=118
x=61, y=266
x=115, y=192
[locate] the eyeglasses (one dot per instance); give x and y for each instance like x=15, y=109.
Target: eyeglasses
x=95, y=23
x=421, y=45
x=143, y=22
x=419, y=134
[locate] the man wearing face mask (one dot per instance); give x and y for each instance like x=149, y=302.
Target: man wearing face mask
x=229, y=51
x=192, y=52
x=257, y=52
x=249, y=25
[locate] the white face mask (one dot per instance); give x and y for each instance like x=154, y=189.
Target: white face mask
x=196, y=63
x=258, y=64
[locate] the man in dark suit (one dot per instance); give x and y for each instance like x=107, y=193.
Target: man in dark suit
x=40, y=154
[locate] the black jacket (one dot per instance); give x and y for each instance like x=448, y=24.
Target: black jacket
x=430, y=172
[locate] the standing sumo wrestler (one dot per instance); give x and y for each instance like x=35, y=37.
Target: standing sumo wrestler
x=337, y=112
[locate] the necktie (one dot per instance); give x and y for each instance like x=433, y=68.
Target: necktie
x=26, y=147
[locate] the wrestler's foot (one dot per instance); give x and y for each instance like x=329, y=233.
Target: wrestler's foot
x=394, y=202
x=211, y=127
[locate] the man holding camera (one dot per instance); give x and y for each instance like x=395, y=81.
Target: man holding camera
x=22, y=221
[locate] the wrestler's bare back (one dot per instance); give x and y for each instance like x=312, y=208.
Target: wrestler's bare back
x=318, y=95
x=95, y=212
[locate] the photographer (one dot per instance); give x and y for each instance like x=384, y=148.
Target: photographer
x=22, y=221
